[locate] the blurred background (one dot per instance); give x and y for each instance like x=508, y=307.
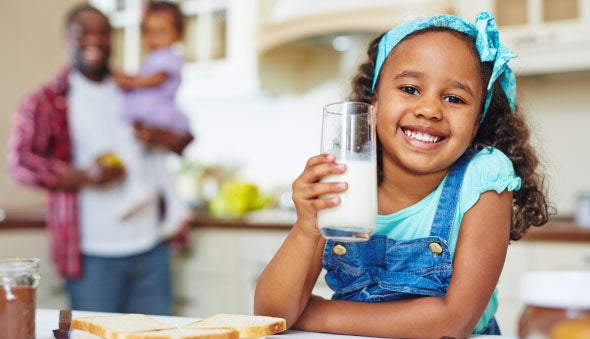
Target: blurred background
x=256, y=77
x=259, y=71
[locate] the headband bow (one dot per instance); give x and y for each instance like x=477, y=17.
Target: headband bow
x=487, y=43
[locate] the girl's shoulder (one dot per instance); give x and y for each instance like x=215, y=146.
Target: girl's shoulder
x=491, y=160
x=490, y=169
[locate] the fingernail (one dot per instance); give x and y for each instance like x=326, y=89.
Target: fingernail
x=335, y=200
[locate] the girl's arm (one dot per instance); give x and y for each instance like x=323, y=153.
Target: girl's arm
x=284, y=288
x=285, y=285
x=479, y=258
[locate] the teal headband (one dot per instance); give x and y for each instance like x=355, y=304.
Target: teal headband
x=487, y=43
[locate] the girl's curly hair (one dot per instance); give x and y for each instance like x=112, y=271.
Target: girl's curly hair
x=501, y=129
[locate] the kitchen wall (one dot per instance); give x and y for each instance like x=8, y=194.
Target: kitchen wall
x=558, y=106
x=269, y=135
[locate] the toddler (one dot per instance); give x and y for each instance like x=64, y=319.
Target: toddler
x=150, y=100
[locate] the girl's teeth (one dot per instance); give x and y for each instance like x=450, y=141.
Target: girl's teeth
x=422, y=136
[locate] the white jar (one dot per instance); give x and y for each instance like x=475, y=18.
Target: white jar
x=557, y=305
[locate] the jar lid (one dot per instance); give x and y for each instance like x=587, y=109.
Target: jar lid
x=18, y=265
x=556, y=289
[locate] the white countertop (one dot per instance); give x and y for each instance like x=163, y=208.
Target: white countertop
x=47, y=321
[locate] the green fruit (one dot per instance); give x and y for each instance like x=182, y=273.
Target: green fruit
x=236, y=198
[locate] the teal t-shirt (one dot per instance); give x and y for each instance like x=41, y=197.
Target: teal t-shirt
x=490, y=169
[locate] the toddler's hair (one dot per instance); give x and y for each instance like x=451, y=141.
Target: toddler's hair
x=501, y=128
x=169, y=9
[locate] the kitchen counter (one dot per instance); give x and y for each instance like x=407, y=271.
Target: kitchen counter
x=558, y=229
x=47, y=321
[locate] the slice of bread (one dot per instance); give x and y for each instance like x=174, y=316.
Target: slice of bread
x=112, y=326
x=249, y=326
x=185, y=333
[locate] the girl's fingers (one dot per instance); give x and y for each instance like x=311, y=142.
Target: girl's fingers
x=320, y=166
x=316, y=190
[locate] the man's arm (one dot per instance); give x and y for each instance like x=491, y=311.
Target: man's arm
x=28, y=160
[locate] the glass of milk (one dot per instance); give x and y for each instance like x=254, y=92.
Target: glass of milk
x=348, y=132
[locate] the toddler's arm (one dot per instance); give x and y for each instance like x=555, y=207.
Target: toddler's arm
x=128, y=82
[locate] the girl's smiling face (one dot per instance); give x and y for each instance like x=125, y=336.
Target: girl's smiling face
x=428, y=102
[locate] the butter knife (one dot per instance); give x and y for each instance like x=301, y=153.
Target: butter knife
x=65, y=322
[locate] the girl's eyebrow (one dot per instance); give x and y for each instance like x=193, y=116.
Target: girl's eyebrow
x=418, y=74
x=408, y=74
x=462, y=86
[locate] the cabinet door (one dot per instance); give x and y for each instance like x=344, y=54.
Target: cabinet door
x=560, y=256
x=205, y=279
x=509, y=308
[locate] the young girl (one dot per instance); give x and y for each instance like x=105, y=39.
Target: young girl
x=150, y=100
x=457, y=181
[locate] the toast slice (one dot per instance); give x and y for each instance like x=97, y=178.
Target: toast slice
x=185, y=333
x=249, y=326
x=114, y=326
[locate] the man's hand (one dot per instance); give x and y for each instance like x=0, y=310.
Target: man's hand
x=158, y=137
x=107, y=168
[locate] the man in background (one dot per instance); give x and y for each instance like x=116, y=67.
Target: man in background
x=59, y=140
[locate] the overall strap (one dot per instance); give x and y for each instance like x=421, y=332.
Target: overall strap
x=447, y=204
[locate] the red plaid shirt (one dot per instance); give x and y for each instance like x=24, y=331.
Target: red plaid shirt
x=39, y=148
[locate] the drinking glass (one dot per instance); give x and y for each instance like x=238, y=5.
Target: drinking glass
x=348, y=132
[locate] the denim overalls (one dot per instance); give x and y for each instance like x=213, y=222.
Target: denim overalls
x=383, y=269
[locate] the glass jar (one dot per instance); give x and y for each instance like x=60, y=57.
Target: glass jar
x=19, y=279
x=557, y=305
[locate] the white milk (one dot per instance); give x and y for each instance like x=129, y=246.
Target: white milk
x=358, y=206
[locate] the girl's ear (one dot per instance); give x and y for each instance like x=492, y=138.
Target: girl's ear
x=374, y=100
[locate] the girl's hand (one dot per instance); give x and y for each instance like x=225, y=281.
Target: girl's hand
x=308, y=191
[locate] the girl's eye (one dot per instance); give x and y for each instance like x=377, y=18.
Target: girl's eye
x=409, y=90
x=454, y=100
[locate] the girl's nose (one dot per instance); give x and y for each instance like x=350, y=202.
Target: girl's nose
x=428, y=108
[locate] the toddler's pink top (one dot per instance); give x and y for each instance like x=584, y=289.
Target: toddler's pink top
x=156, y=106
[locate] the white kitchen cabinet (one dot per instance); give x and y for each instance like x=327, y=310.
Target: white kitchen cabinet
x=206, y=279
x=549, y=36
x=221, y=273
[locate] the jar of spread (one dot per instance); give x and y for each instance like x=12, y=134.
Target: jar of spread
x=557, y=305
x=18, y=286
